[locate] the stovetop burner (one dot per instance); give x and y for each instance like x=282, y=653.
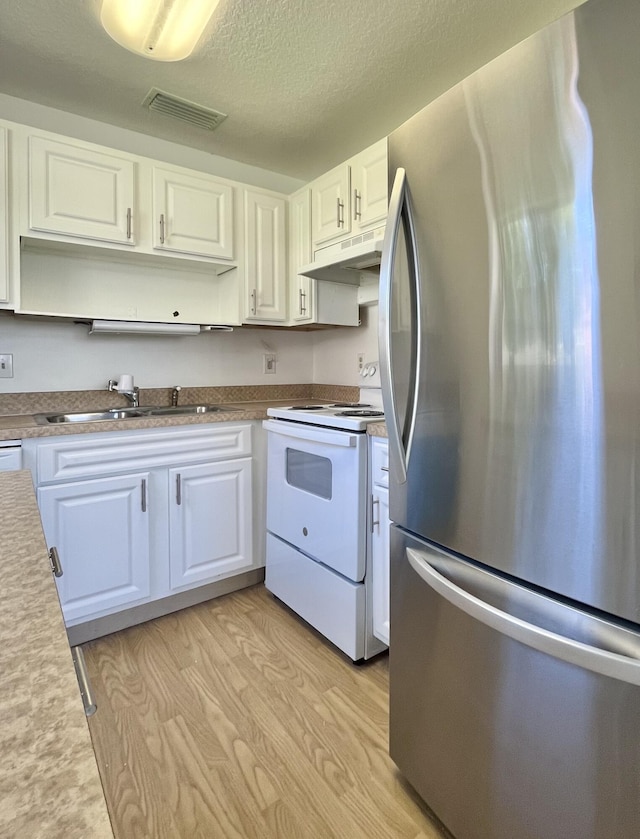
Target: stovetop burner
x=307, y=408
x=361, y=414
x=350, y=405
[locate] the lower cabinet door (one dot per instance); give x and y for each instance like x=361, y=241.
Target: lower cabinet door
x=380, y=564
x=101, y=530
x=210, y=521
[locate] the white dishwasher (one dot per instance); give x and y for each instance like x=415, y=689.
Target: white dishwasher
x=10, y=455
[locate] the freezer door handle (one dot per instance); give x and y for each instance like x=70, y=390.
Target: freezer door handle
x=598, y=659
x=400, y=431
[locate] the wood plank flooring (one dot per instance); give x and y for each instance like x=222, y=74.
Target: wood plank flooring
x=234, y=719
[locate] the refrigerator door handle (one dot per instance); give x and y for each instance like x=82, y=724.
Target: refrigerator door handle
x=399, y=210
x=598, y=660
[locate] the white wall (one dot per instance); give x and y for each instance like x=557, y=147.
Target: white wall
x=335, y=352
x=60, y=355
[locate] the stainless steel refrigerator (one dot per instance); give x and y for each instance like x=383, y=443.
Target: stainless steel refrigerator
x=510, y=344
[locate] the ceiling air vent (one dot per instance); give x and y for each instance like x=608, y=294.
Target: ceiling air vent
x=173, y=106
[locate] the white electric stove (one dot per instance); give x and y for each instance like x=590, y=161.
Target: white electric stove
x=349, y=416
x=317, y=515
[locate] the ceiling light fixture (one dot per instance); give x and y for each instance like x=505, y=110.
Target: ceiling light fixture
x=166, y=30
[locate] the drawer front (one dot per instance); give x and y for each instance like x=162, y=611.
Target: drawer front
x=107, y=454
x=380, y=461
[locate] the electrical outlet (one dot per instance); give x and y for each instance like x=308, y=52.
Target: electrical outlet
x=6, y=366
x=360, y=361
x=269, y=362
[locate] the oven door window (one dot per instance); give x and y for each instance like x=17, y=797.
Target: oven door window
x=309, y=472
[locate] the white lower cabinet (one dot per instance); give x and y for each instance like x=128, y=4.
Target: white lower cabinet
x=379, y=544
x=142, y=515
x=209, y=521
x=101, y=529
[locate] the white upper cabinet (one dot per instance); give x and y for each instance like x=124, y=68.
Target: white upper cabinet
x=79, y=191
x=300, y=287
x=369, y=197
x=350, y=198
x=265, y=257
x=331, y=205
x=4, y=217
x=192, y=214
x=314, y=301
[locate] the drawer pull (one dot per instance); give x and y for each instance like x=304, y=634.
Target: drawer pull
x=375, y=522
x=384, y=468
x=56, y=565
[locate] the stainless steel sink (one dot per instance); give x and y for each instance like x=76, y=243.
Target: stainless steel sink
x=89, y=416
x=186, y=410
x=128, y=413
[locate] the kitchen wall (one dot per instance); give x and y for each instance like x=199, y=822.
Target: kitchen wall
x=60, y=355
x=335, y=351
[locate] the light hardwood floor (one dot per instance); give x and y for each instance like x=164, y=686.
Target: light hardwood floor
x=234, y=719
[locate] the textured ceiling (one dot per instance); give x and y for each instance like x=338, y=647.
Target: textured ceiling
x=306, y=83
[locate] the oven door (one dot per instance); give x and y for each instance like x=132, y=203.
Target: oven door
x=316, y=493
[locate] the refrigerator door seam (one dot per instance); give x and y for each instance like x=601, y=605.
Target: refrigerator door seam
x=399, y=202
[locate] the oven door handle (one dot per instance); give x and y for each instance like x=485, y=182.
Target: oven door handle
x=314, y=434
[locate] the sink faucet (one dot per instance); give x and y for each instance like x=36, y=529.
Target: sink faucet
x=132, y=395
x=174, y=395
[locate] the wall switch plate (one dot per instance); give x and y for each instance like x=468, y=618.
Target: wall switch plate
x=6, y=366
x=269, y=362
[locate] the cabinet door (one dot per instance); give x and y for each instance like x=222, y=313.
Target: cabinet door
x=101, y=530
x=192, y=214
x=209, y=521
x=4, y=219
x=331, y=205
x=265, y=257
x=380, y=563
x=300, y=287
x=80, y=191
x=369, y=200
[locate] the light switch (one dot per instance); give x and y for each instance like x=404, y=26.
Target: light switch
x=6, y=366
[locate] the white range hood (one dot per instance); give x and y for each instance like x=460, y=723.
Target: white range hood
x=343, y=262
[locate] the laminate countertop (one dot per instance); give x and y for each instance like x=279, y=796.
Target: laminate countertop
x=49, y=781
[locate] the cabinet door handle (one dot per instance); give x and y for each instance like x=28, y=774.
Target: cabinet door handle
x=303, y=302
x=357, y=210
x=128, y=222
x=384, y=468
x=375, y=522
x=253, y=302
x=162, y=228
x=56, y=565
x=178, y=489
x=340, y=211
x=143, y=495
